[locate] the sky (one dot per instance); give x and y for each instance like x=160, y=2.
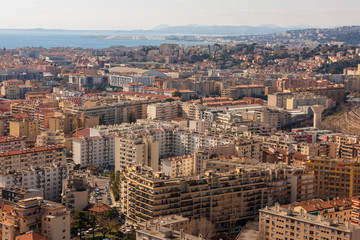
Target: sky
x=147, y=14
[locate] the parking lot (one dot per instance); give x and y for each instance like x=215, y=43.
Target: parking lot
x=100, y=191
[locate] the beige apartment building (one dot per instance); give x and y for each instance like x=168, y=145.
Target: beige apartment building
x=240, y=91
x=279, y=99
x=22, y=159
x=283, y=223
x=136, y=149
x=11, y=143
x=75, y=192
x=306, y=99
x=191, y=110
x=50, y=138
x=187, y=165
x=10, y=88
x=339, y=208
x=302, y=182
x=25, y=128
x=226, y=199
x=271, y=117
x=163, y=111
x=35, y=214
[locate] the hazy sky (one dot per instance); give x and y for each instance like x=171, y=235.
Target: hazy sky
x=146, y=14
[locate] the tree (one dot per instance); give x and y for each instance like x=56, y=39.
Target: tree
x=176, y=94
x=115, y=184
x=102, y=119
x=202, y=226
x=92, y=222
x=169, y=100
x=77, y=167
x=80, y=221
x=107, y=225
x=131, y=117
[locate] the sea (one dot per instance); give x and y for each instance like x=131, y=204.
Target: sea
x=11, y=39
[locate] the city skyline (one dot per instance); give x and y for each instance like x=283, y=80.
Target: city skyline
x=140, y=14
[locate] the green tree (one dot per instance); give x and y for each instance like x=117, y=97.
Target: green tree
x=131, y=117
x=176, y=94
x=115, y=184
x=80, y=221
x=102, y=119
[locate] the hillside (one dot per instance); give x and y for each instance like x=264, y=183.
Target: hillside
x=345, y=121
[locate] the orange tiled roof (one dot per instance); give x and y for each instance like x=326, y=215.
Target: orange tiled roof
x=31, y=236
x=99, y=208
x=30, y=150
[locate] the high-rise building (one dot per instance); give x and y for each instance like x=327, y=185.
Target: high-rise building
x=47, y=178
x=136, y=149
x=225, y=198
x=25, y=128
x=92, y=149
x=283, y=223
x=335, y=177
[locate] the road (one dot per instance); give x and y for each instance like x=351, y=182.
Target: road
x=100, y=191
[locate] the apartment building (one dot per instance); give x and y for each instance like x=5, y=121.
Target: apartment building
x=225, y=198
x=15, y=194
x=248, y=148
x=176, y=222
x=339, y=208
x=114, y=113
x=10, y=88
x=304, y=99
x=47, y=178
x=136, y=149
x=67, y=122
x=50, y=138
x=283, y=223
x=157, y=232
x=352, y=84
x=121, y=81
x=75, y=192
x=92, y=149
x=163, y=111
x=24, y=158
x=191, y=111
x=272, y=117
x=25, y=128
x=88, y=80
x=355, y=213
x=302, y=182
x=335, y=177
x=279, y=99
x=48, y=218
x=5, y=119
x=11, y=143
x=187, y=165
x=240, y=91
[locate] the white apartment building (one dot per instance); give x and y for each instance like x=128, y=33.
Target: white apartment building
x=92, y=149
x=122, y=81
x=186, y=142
x=136, y=149
x=48, y=178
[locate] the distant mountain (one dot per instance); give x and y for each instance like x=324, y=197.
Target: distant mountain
x=164, y=29
x=222, y=30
